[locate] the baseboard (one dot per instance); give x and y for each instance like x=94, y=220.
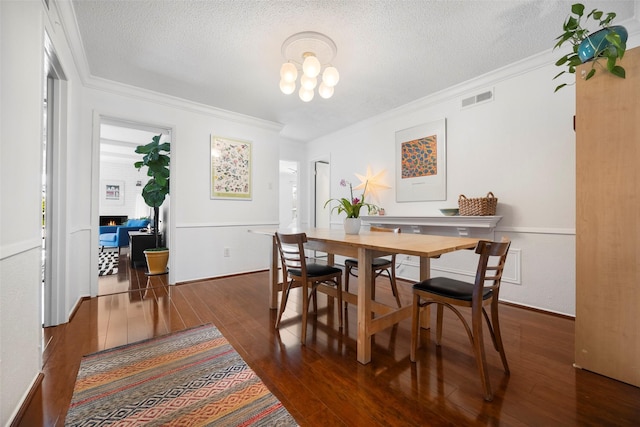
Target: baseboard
x=186, y=282
x=538, y=310
x=76, y=307
x=33, y=392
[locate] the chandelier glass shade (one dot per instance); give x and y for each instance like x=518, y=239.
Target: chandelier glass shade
x=309, y=54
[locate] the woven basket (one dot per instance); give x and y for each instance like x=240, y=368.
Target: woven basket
x=479, y=206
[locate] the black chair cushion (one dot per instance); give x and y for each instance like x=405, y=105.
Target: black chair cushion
x=377, y=262
x=450, y=288
x=315, y=270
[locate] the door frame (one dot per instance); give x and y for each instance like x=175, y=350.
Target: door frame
x=98, y=120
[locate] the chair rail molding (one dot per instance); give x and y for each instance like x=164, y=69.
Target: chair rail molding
x=464, y=226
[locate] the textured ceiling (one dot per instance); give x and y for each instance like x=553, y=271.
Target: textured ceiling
x=226, y=53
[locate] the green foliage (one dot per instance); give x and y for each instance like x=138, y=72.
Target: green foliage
x=575, y=32
x=157, y=163
x=157, y=188
x=351, y=206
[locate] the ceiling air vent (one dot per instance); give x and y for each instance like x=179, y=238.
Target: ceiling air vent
x=477, y=99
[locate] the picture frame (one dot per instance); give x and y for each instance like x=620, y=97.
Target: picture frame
x=112, y=192
x=421, y=162
x=231, y=168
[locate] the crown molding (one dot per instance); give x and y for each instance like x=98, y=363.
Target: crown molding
x=89, y=81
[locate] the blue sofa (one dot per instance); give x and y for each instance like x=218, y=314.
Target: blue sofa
x=117, y=236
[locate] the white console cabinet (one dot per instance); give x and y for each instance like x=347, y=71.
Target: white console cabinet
x=464, y=226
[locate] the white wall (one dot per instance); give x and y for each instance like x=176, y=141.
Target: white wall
x=123, y=171
x=520, y=146
x=20, y=200
x=200, y=227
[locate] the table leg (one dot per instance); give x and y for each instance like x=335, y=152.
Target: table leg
x=425, y=273
x=273, y=275
x=365, y=275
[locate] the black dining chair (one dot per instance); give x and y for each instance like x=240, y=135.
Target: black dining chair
x=379, y=266
x=446, y=292
x=310, y=276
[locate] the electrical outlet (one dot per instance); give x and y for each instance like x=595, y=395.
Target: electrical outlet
x=227, y=252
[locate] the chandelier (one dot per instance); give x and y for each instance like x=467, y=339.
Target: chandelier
x=309, y=52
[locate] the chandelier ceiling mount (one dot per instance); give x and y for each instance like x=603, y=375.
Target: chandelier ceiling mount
x=311, y=54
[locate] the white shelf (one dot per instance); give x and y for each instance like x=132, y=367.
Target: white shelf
x=466, y=226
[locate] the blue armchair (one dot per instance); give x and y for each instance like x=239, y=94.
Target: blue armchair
x=117, y=236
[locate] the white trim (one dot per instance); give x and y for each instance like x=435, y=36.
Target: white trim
x=25, y=395
x=114, y=119
x=229, y=224
x=11, y=250
x=435, y=221
x=537, y=230
x=72, y=34
x=518, y=303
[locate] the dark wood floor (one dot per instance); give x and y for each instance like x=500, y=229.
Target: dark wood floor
x=322, y=384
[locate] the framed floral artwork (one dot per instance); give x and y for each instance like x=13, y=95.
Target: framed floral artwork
x=230, y=168
x=421, y=162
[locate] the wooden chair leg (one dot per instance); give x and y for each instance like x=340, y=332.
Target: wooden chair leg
x=415, y=327
x=374, y=276
x=478, y=348
x=439, y=311
x=283, y=302
x=497, y=336
x=347, y=273
x=305, y=309
x=339, y=292
x=394, y=287
x=314, y=297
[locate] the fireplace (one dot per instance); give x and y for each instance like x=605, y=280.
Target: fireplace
x=113, y=219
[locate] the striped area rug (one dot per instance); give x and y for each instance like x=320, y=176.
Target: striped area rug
x=190, y=378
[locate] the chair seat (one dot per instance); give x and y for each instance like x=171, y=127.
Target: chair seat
x=450, y=288
x=108, y=237
x=376, y=263
x=316, y=270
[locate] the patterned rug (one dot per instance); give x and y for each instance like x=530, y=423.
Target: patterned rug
x=190, y=378
x=107, y=263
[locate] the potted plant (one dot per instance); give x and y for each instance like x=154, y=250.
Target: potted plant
x=156, y=159
x=352, y=208
x=607, y=43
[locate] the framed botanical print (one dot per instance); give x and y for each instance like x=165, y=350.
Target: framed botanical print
x=230, y=168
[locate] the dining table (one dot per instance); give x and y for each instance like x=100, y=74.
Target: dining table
x=372, y=316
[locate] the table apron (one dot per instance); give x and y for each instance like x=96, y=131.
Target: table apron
x=344, y=250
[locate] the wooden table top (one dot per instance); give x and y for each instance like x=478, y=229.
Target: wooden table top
x=425, y=245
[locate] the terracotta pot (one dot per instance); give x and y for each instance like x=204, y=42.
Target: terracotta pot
x=157, y=261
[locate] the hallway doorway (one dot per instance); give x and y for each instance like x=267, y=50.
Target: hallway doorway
x=120, y=193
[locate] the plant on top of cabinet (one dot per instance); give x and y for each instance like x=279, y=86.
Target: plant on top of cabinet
x=607, y=43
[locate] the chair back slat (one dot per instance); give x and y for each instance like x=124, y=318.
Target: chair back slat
x=496, y=253
x=291, y=249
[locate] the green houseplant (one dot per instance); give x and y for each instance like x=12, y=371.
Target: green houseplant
x=351, y=207
x=156, y=160
x=607, y=43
